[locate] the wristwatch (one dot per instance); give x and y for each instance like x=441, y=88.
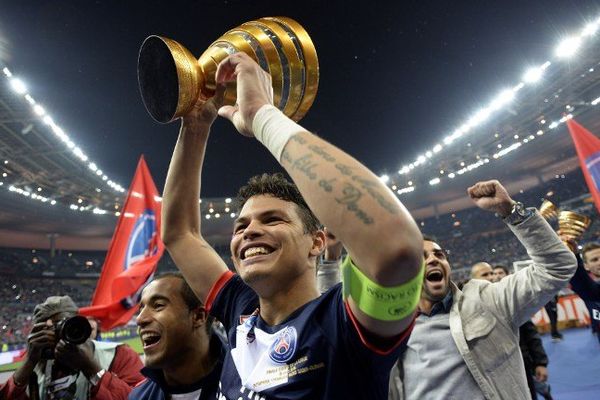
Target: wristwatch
x=95, y=379
x=518, y=214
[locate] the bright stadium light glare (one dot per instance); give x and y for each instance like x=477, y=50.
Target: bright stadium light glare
x=505, y=97
x=39, y=110
x=533, y=75
x=568, y=47
x=590, y=29
x=434, y=181
x=384, y=178
x=18, y=86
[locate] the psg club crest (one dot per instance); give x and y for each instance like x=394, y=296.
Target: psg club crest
x=284, y=346
x=142, y=242
x=593, y=165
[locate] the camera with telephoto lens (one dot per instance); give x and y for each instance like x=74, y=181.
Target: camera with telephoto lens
x=74, y=330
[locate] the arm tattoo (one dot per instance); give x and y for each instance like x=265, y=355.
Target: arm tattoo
x=350, y=197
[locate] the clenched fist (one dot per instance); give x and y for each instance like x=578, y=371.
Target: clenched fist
x=491, y=196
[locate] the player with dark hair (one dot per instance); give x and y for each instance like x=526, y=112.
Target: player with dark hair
x=285, y=340
x=182, y=357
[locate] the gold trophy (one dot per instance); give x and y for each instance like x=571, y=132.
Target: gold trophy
x=548, y=210
x=572, y=225
x=172, y=80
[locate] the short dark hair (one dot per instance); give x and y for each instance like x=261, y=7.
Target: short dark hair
x=189, y=297
x=187, y=294
x=503, y=268
x=276, y=185
x=431, y=238
x=589, y=247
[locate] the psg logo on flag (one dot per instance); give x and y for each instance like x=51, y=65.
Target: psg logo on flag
x=142, y=242
x=284, y=346
x=593, y=165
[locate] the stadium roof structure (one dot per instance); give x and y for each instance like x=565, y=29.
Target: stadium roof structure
x=49, y=185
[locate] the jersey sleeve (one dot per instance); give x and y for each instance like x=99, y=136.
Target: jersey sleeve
x=368, y=353
x=229, y=299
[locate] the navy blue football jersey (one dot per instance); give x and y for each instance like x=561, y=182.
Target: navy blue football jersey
x=318, y=352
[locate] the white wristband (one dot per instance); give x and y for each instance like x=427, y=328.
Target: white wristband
x=273, y=129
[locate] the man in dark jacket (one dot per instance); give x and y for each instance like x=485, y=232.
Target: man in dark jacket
x=182, y=357
x=534, y=356
x=586, y=282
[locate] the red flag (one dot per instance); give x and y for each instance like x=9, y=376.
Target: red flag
x=132, y=256
x=588, y=150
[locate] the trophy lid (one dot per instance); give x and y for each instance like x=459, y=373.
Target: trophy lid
x=167, y=77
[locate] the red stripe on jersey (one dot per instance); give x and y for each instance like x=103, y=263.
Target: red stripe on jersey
x=383, y=352
x=214, y=291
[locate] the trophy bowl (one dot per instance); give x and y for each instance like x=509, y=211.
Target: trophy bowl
x=572, y=224
x=172, y=80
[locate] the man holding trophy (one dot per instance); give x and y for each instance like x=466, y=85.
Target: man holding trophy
x=285, y=340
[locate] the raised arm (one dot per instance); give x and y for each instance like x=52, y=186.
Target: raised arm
x=518, y=296
x=196, y=259
x=381, y=237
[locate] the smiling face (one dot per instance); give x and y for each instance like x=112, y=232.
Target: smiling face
x=270, y=245
x=167, y=327
x=437, y=272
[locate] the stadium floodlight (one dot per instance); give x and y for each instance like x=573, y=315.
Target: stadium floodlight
x=406, y=190
x=434, y=181
x=39, y=110
x=533, y=75
x=384, y=178
x=18, y=85
x=596, y=101
x=479, y=117
x=437, y=148
x=590, y=29
x=505, y=97
x=568, y=47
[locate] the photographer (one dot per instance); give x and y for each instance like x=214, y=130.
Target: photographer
x=56, y=369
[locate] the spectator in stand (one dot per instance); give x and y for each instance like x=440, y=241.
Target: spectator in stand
x=92, y=370
x=183, y=359
x=534, y=356
x=465, y=343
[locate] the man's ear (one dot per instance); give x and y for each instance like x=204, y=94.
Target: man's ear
x=199, y=316
x=318, y=243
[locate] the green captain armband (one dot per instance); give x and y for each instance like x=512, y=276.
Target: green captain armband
x=380, y=302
